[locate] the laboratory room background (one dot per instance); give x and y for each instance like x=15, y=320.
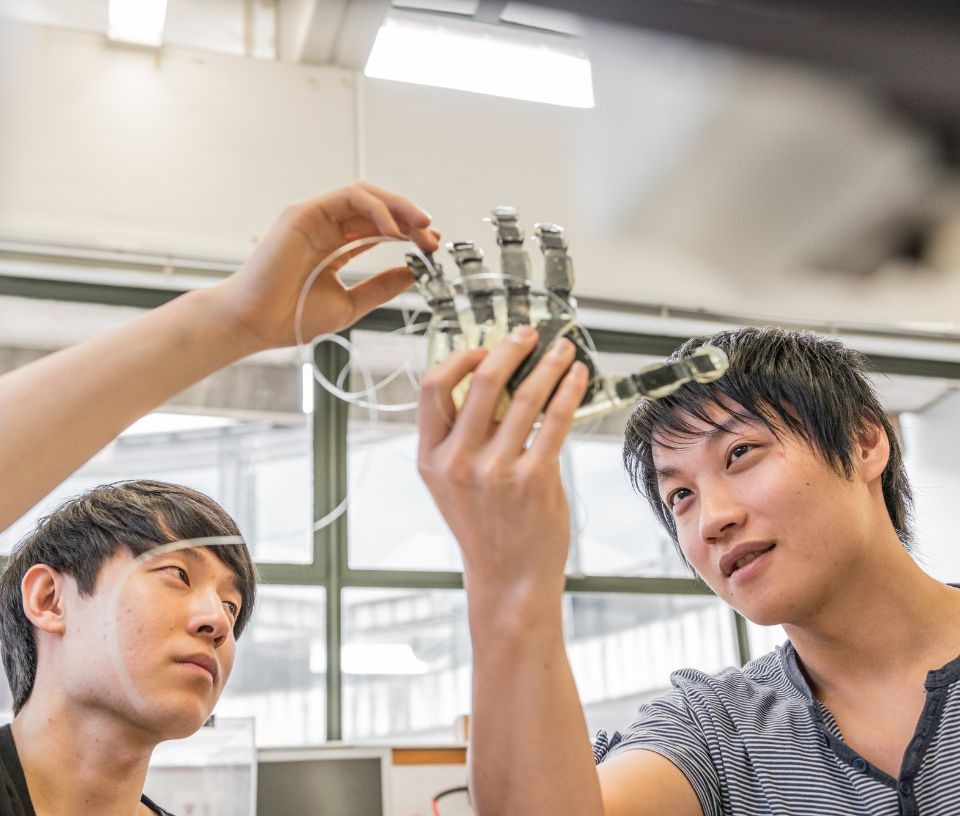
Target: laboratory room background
x=632, y=175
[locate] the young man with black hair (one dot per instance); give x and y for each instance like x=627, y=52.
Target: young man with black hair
x=782, y=484
x=108, y=654
x=72, y=602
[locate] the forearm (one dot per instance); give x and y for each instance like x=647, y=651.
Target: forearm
x=59, y=411
x=529, y=745
x=56, y=413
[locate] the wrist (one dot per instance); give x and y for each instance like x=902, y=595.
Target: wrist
x=507, y=614
x=238, y=337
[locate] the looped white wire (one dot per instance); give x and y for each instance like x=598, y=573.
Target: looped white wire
x=365, y=397
x=307, y=348
x=357, y=397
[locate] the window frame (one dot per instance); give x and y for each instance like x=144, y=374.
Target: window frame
x=330, y=567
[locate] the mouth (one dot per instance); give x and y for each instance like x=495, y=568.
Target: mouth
x=202, y=661
x=739, y=558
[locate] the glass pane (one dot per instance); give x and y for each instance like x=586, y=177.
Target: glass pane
x=210, y=772
x=240, y=435
x=6, y=699
x=406, y=664
x=279, y=676
x=392, y=520
x=259, y=472
x=623, y=648
x=394, y=524
x=764, y=639
x=614, y=530
x=931, y=452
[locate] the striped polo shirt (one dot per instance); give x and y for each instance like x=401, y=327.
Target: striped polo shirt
x=756, y=741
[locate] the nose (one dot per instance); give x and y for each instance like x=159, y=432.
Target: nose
x=721, y=513
x=210, y=619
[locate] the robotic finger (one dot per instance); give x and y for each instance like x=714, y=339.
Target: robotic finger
x=481, y=307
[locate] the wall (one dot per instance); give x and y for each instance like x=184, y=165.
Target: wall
x=194, y=153
x=667, y=188
x=183, y=152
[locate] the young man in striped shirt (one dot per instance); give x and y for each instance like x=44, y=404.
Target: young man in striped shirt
x=782, y=484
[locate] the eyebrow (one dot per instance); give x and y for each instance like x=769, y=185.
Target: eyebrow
x=722, y=428
x=193, y=554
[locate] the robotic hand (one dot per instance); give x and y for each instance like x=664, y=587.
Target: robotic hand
x=481, y=307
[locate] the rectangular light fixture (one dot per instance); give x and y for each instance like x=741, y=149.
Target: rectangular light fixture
x=137, y=21
x=306, y=388
x=482, y=58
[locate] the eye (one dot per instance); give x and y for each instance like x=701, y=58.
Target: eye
x=180, y=572
x=674, y=497
x=738, y=452
x=232, y=608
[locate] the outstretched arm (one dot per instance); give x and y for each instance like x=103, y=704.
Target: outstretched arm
x=57, y=412
x=504, y=501
x=503, y=498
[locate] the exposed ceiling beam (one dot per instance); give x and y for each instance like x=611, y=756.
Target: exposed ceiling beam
x=294, y=21
x=330, y=32
x=360, y=25
x=489, y=11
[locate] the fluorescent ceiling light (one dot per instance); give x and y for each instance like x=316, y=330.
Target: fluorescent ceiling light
x=483, y=59
x=137, y=21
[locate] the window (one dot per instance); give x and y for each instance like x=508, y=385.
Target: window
x=240, y=436
x=360, y=632
x=614, y=532
x=280, y=674
x=406, y=664
x=624, y=647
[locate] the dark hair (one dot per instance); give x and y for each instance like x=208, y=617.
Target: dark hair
x=83, y=533
x=798, y=382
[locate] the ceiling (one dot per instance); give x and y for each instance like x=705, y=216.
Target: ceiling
x=910, y=52
x=803, y=139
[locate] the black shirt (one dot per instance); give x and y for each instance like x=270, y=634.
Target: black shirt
x=14, y=796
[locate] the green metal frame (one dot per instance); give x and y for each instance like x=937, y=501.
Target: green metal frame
x=330, y=566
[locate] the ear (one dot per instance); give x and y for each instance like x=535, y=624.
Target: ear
x=872, y=448
x=42, y=590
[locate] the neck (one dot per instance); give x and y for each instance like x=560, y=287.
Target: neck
x=888, y=622
x=80, y=763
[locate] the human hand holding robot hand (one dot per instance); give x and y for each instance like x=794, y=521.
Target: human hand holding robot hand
x=494, y=484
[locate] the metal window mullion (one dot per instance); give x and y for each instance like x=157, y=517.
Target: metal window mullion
x=400, y=579
x=138, y=297
x=606, y=584
x=330, y=541
x=292, y=574
x=574, y=555
x=743, y=637
x=636, y=585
